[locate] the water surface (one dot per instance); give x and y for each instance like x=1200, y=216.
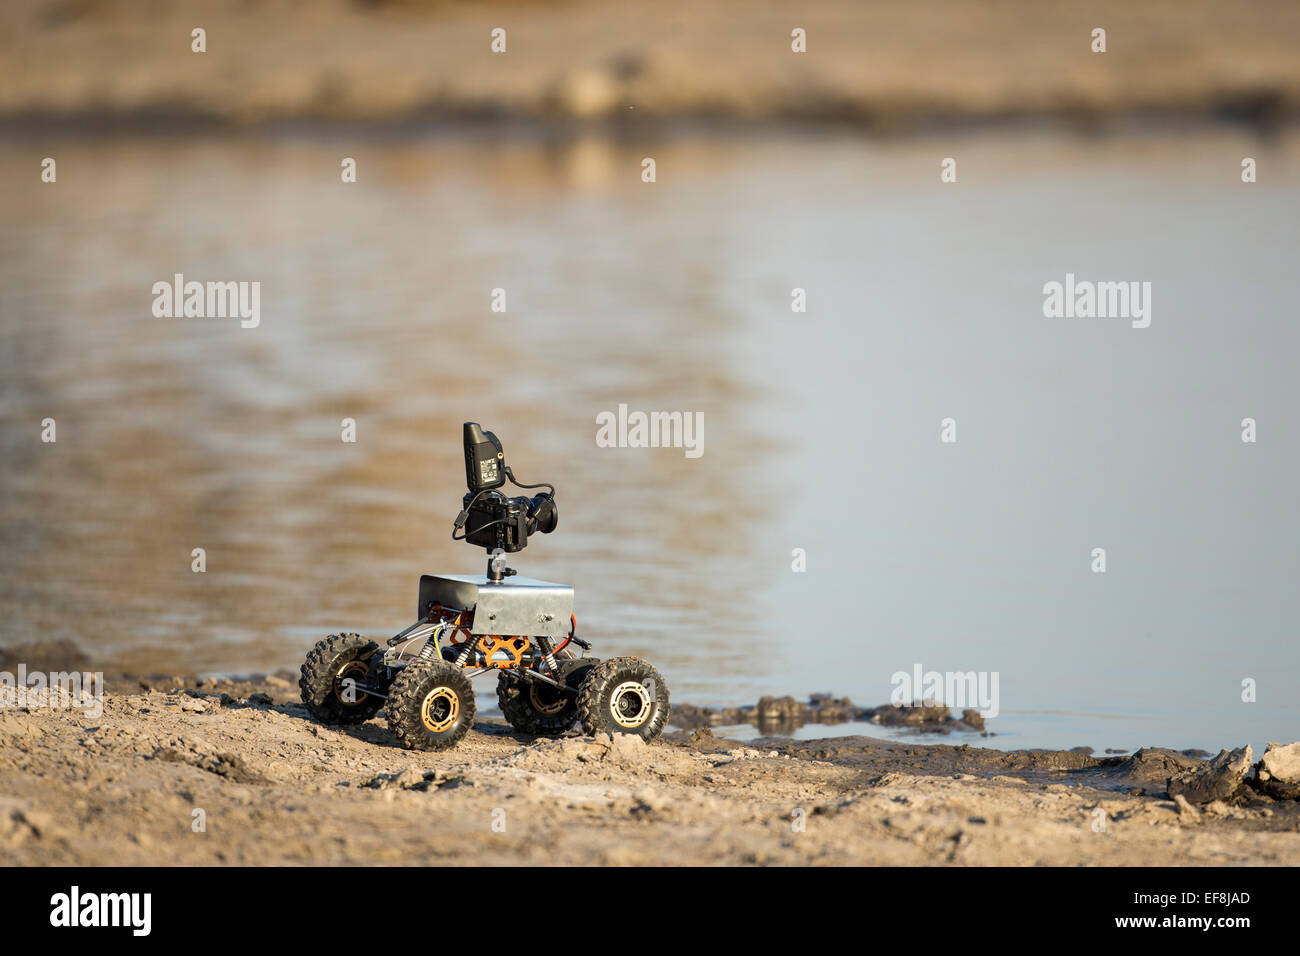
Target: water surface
x=821, y=429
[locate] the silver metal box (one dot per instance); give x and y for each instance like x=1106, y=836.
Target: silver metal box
x=516, y=606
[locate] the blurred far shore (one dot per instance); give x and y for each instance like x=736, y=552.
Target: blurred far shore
x=884, y=67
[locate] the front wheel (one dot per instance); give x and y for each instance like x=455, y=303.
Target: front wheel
x=623, y=695
x=430, y=705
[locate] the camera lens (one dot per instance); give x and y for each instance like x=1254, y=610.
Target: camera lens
x=544, y=513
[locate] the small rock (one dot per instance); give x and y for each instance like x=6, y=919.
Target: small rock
x=1282, y=762
x=582, y=749
x=408, y=779
x=261, y=700
x=701, y=735
x=648, y=800
x=927, y=715
x=889, y=779
x=1216, y=780
x=781, y=715
x=1151, y=767
x=627, y=747
x=19, y=823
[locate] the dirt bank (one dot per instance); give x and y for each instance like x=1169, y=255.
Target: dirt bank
x=274, y=788
x=881, y=65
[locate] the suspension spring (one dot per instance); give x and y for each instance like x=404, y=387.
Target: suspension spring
x=463, y=657
x=545, y=644
x=431, y=645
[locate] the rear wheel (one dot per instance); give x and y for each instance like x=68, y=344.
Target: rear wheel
x=538, y=709
x=623, y=695
x=332, y=677
x=430, y=705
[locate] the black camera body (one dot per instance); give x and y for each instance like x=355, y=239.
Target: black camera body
x=492, y=519
x=498, y=522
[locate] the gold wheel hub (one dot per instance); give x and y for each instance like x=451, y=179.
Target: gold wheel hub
x=630, y=704
x=537, y=697
x=439, y=710
x=356, y=672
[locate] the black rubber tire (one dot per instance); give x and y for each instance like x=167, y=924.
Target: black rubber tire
x=318, y=680
x=406, y=700
x=519, y=698
x=595, y=698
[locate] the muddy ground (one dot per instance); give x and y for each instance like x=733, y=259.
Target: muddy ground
x=276, y=788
